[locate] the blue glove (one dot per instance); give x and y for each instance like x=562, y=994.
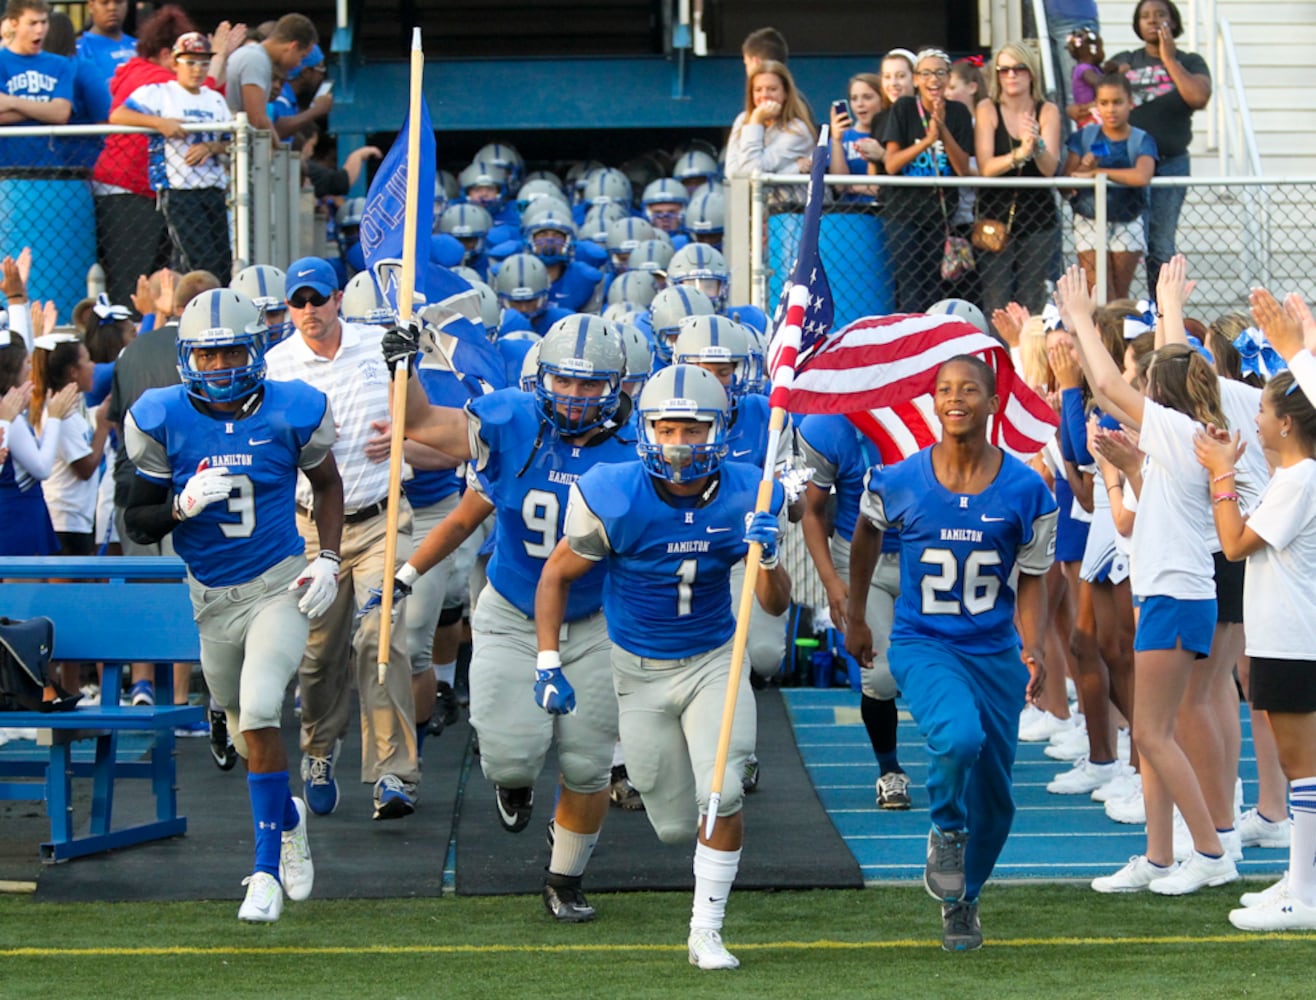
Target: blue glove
x=553, y=692
x=400, y=591
x=762, y=527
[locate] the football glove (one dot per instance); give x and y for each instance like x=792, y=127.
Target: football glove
x=320, y=578
x=206, y=487
x=762, y=527
x=553, y=692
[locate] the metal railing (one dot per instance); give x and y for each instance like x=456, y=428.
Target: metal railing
x=1230, y=127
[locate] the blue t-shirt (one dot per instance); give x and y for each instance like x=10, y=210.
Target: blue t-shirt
x=959, y=551
x=668, y=590
x=855, y=163
x=42, y=77
x=91, y=106
x=1123, y=203
x=832, y=441
x=106, y=54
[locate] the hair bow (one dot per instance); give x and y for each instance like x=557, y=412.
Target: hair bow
x=107, y=313
x=1200, y=348
x=49, y=341
x=975, y=60
x=1051, y=317
x=1144, y=322
x=1258, y=357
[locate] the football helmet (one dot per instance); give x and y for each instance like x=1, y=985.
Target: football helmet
x=266, y=287
x=683, y=392
x=532, y=191
x=623, y=236
x=651, y=255
x=363, y=302
x=705, y=218
x=666, y=311
x=599, y=217
x=697, y=265
x=636, y=288
x=530, y=368
x=468, y=223
x=639, y=358
x=665, y=191
x=607, y=186
x=221, y=317
x=580, y=347
x=491, y=313
x=694, y=168
x=521, y=279
x=504, y=155
x=960, y=309
x=550, y=233
x=716, y=340
x=483, y=175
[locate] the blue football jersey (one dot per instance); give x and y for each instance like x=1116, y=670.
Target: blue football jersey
x=841, y=455
x=668, y=590
x=526, y=471
x=169, y=440
x=747, y=437
x=959, y=551
x=443, y=387
x=575, y=288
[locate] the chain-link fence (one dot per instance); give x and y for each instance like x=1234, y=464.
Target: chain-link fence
x=213, y=197
x=884, y=240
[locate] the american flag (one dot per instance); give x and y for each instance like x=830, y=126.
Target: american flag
x=880, y=372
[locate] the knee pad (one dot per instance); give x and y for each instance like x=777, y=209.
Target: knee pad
x=585, y=773
x=451, y=615
x=670, y=833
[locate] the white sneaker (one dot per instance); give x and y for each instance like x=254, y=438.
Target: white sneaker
x=1232, y=843
x=708, y=952
x=1130, y=809
x=1043, y=726
x=1254, y=830
x=1270, y=892
x=264, y=901
x=1069, y=746
x=1238, y=797
x=1197, y=872
x=1126, y=782
x=1082, y=778
x=296, y=872
x=1137, y=875
x=1076, y=721
x=1281, y=912
x=1029, y=715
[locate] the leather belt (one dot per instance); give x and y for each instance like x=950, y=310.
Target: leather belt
x=356, y=516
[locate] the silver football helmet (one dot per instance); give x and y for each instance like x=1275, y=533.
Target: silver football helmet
x=683, y=392
x=666, y=311
x=363, y=302
x=716, y=340
x=576, y=348
x=221, y=317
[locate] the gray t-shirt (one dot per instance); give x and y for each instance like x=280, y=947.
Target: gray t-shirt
x=149, y=362
x=250, y=65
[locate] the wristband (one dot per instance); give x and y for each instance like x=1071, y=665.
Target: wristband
x=329, y=554
x=548, y=659
x=766, y=563
x=407, y=575
x=1220, y=498
x=1223, y=475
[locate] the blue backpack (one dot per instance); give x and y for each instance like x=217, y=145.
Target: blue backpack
x=1123, y=203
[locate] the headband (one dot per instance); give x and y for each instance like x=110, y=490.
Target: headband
x=50, y=341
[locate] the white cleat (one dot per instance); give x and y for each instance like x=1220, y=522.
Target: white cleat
x=296, y=871
x=708, y=952
x=264, y=901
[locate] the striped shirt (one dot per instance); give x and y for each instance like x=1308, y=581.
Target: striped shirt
x=356, y=382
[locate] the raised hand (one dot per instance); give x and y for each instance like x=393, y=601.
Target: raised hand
x=15, y=401
x=1279, y=323
x=1216, y=455
x=1063, y=358
x=1173, y=286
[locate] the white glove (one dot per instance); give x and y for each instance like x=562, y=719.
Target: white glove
x=320, y=578
x=203, y=489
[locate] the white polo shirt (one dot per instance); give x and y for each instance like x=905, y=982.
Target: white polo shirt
x=357, y=384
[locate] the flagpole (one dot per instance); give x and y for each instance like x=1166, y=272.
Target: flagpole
x=788, y=337
x=406, y=292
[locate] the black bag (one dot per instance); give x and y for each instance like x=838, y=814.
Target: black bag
x=25, y=650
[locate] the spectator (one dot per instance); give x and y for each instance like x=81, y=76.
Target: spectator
x=774, y=134
x=897, y=77
x=104, y=44
x=763, y=45
x=131, y=236
x=1168, y=86
x=36, y=87
x=251, y=68
x=851, y=125
x=91, y=94
x=185, y=168
x=1018, y=133
x=926, y=136
x=301, y=89
x=1063, y=18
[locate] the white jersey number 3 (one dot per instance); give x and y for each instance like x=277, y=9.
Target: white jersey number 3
x=979, y=590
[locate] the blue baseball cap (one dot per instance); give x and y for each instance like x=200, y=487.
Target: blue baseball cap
x=311, y=60
x=315, y=273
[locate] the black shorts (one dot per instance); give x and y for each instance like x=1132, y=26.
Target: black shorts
x=1228, y=590
x=76, y=543
x=1283, y=685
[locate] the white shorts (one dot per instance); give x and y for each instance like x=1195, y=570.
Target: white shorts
x=1121, y=237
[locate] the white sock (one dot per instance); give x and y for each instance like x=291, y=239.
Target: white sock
x=446, y=672
x=1302, y=843
x=617, y=756
x=715, y=871
x=571, y=851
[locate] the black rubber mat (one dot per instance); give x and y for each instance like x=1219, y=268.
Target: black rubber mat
x=789, y=841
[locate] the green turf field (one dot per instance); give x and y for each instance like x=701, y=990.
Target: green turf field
x=1042, y=941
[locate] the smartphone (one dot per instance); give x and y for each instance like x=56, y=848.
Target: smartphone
x=841, y=107
x=326, y=89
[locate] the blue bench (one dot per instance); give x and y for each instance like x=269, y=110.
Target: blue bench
x=117, y=612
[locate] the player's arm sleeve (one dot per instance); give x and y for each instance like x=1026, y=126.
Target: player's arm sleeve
x=872, y=505
x=824, y=469
x=1038, y=553
x=583, y=530
x=321, y=441
x=480, y=450
x=147, y=453
x=149, y=513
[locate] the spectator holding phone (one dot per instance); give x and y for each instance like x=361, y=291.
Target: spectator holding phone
x=852, y=122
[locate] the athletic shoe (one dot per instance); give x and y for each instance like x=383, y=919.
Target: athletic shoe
x=1281, y=912
x=514, y=806
x=893, y=790
x=446, y=710
x=1130, y=809
x=1183, y=838
x=1125, y=783
x=142, y=693
x=1076, y=721
x=1082, y=778
x=1028, y=716
x=1232, y=843
x=319, y=783
x=943, y=876
x=1043, y=726
x=1197, y=872
x=564, y=899
x=264, y=899
x=1238, y=797
x=1270, y=892
x=960, y=929
x=1137, y=875
x=1070, y=746
x=392, y=801
x=193, y=730
x=749, y=778
x=622, y=793
x=708, y=952
x=222, y=751
x=1254, y=830
x=296, y=873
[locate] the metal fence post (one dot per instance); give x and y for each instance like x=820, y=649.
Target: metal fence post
x=242, y=192
x=739, y=239
x=292, y=198
x=278, y=198
x=758, y=224
x=1103, y=244
x=260, y=198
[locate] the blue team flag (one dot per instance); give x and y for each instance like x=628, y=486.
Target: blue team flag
x=808, y=272
x=442, y=300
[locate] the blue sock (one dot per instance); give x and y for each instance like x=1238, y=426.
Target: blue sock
x=422, y=730
x=269, y=799
x=290, y=816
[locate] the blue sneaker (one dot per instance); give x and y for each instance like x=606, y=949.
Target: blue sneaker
x=193, y=730
x=391, y=798
x=319, y=782
x=142, y=693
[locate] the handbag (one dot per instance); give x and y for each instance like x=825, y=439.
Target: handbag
x=993, y=235
x=956, y=253
x=25, y=682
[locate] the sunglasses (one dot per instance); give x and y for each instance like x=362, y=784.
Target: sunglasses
x=1012, y=70
x=307, y=298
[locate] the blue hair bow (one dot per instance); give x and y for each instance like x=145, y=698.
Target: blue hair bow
x=1258, y=357
x=1144, y=322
